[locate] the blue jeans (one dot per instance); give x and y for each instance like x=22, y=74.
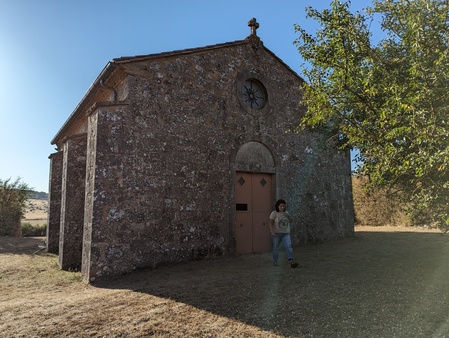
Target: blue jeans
x=276, y=242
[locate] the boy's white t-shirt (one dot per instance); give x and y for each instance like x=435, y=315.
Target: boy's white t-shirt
x=281, y=221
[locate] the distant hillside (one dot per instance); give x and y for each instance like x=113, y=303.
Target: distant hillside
x=38, y=195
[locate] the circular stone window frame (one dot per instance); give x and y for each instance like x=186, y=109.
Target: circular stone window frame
x=262, y=82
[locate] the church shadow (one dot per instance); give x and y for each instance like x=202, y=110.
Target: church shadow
x=351, y=276
x=21, y=245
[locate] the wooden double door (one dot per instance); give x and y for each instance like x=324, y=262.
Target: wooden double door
x=253, y=197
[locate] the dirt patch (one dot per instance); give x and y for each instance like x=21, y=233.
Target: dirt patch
x=377, y=284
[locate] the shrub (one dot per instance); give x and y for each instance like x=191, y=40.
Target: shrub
x=29, y=230
x=13, y=195
x=377, y=206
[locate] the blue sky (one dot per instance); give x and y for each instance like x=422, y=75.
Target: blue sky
x=52, y=50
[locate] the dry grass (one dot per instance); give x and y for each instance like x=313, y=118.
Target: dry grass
x=378, y=284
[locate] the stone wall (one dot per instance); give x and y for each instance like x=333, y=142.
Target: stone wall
x=316, y=181
x=72, y=202
x=54, y=202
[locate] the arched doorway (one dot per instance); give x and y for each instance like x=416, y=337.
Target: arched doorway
x=254, y=191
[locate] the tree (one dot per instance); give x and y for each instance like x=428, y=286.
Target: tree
x=389, y=100
x=13, y=196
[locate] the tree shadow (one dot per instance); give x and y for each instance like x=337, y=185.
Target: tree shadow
x=375, y=284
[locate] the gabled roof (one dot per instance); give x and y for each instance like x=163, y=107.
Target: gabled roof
x=127, y=59
x=108, y=69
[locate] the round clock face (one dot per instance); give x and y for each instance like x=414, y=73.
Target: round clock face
x=254, y=94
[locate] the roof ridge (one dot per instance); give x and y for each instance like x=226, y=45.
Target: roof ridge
x=126, y=59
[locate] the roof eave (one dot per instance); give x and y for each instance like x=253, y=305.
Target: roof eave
x=107, y=70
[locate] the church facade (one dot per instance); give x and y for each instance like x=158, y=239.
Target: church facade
x=181, y=156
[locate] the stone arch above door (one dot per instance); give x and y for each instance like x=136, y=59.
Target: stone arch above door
x=254, y=157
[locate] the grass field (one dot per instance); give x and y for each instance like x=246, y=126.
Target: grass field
x=36, y=212
x=385, y=282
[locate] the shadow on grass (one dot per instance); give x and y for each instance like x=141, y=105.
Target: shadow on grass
x=20, y=245
x=375, y=284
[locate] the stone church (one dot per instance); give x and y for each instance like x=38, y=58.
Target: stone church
x=181, y=156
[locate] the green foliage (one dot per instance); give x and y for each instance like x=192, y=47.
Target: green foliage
x=389, y=100
x=13, y=196
x=29, y=230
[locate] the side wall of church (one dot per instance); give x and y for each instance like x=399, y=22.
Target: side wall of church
x=160, y=177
